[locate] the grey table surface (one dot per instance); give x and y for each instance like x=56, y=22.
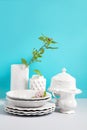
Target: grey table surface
x=53, y=121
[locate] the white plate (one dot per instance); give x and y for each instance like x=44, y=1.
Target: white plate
x=46, y=109
x=29, y=114
x=48, y=105
x=29, y=111
x=25, y=95
x=27, y=103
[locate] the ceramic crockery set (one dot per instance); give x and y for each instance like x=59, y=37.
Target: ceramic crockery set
x=21, y=100
x=26, y=102
x=34, y=102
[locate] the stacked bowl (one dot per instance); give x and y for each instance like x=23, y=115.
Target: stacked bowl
x=28, y=102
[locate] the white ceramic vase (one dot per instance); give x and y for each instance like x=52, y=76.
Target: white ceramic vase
x=38, y=83
x=19, y=77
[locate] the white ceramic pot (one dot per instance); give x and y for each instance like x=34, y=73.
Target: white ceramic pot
x=19, y=77
x=38, y=83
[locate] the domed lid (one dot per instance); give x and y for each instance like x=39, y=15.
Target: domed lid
x=63, y=82
x=64, y=76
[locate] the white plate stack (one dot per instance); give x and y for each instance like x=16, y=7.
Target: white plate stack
x=24, y=102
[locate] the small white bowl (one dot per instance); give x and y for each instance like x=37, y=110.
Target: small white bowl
x=26, y=98
x=26, y=95
x=26, y=103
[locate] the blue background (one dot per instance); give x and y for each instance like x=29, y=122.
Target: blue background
x=23, y=21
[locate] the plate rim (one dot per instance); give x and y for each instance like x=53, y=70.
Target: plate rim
x=21, y=98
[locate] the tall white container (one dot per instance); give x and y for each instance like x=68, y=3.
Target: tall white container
x=19, y=77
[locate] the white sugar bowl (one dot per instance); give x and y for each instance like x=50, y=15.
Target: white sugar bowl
x=64, y=85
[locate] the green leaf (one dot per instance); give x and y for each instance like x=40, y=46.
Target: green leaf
x=52, y=47
x=39, y=55
x=41, y=38
x=24, y=62
x=37, y=72
x=44, y=93
x=35, y=56
x=54, y=42
x=41, y=51
x=34, y=52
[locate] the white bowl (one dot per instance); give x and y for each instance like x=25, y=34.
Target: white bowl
x=26, y=95
x=27, y=103
x=26, y=98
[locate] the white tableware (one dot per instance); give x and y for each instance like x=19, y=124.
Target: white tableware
x=38, y=83
x=64, y=85
x=27, y=103
x=26, y=95
x=46, y=109
x=19, y=77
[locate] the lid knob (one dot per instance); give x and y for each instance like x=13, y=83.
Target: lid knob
x=64, y=70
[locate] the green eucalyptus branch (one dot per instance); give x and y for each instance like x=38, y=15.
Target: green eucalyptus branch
x=37, y=54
